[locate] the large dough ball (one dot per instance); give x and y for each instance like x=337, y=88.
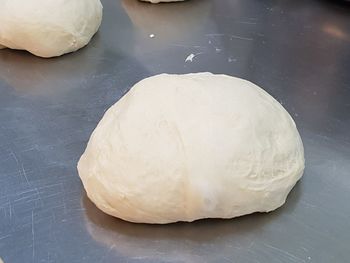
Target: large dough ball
x=185, y=147
x=48, y=28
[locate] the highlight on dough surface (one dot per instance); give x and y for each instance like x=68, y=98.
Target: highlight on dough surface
x=160, y=1
x=48, y=28
x=187, y=147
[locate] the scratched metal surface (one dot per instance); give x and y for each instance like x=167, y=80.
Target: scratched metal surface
x=299, y=51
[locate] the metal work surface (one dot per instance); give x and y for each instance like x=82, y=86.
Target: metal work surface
x=299, y=51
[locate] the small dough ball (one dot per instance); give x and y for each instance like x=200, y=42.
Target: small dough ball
x=186, y=147
x=159, y=1
x=48, y=28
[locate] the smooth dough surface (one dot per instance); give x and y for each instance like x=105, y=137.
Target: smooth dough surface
x=186, y=147
x=48, y=28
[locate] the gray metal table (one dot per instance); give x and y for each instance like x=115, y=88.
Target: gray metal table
x=299, y=51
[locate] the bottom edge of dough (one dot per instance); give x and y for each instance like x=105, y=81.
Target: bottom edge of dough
x=167, y=221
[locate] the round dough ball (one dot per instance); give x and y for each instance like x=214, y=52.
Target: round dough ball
x=48, y=28
x=186, y=147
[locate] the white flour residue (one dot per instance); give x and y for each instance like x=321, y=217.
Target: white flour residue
x=190, y=58
x=230, y=60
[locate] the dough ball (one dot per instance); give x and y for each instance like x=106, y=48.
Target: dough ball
x=48, y=28
x=186, y=147
x=159, y=1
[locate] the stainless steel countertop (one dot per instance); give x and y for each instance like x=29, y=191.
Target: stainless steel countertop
x=299, y=51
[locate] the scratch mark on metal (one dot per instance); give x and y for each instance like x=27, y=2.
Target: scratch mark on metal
x=10, y=211
x=23, y=197
x=214, y=35
x=251, y=244
x=241, y=38
x=33, y=237
x=63, y=200
x=26, y=191
x=24, y=173
x=308, y=204
x=39, y=196
x=227, y=259
x=5, y=205
x=105, y=255
x=230, y=36
x=187, y=46
x=246, y=22
x=18, y=164
x=50, y=185
x=286, y=253
x=3, y=237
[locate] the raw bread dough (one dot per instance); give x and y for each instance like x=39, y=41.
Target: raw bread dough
x=159, y=1
x=48, y=28
x=186, y=147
